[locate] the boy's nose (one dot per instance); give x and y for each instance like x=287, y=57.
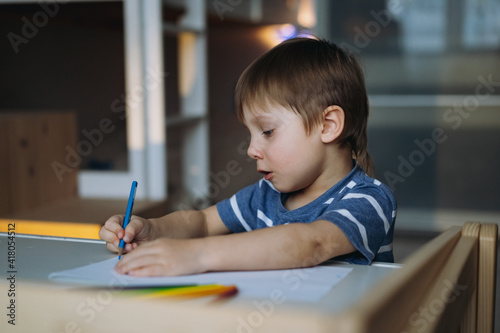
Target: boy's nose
x=254, y=152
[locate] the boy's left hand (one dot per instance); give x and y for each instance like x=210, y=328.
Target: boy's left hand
x=163, y=257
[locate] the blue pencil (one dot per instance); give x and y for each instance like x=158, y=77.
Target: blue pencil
x=128, y=214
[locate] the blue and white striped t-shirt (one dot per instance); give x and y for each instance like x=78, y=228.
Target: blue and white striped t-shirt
x=362, y=207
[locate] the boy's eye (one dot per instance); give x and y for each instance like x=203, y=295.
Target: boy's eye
x=268, y=133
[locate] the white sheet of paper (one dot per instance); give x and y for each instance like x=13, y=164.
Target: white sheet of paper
x=305, y=285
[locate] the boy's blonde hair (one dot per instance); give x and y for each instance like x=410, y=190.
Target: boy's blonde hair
x=306, y=76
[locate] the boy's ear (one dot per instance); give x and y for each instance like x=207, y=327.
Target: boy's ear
x=333, y=123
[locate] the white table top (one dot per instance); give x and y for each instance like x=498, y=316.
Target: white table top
x=38, y=256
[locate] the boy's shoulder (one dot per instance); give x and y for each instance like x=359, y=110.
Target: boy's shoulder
x=358, y=183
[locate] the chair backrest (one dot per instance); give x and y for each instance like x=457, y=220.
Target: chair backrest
x=488, y=236
x=446, y=286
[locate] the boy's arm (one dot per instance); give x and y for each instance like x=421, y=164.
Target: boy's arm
x=189, y=224
x=181, y=224
x=285, y=246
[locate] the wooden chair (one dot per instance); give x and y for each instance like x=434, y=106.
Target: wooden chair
x=446, y=286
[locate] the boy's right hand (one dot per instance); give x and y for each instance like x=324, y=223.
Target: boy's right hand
x=138, y=230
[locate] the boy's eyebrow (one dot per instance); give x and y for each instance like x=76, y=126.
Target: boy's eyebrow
x=258, y=120
x=256, y=117
x=264, y=116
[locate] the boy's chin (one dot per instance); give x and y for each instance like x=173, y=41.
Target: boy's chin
x=284, y=188
x=276, y=186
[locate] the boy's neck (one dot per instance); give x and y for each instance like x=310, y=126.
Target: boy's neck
x=338, y=167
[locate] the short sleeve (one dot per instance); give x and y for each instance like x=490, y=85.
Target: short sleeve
x=238, y=212
x=366, y=215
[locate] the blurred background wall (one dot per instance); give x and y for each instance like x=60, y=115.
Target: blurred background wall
x=432, y=72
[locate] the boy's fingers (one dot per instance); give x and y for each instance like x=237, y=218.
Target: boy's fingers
x=113, y=242
x=111, y=232
x=111, y=247
x=141, y=257
x=107, y=235
x=129, y=234
x=110, y=235
x=133, y=228
x=114, y=224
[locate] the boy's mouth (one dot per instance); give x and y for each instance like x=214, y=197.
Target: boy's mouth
x=267, y=174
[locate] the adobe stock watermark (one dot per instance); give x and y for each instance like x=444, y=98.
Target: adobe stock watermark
x=88, y=309
x=223, y=6
x=372, y=29
x=425, y=316
x=217, y=181
x=94, y=137
x=426, y=147
x=31, y=26
x=292, y=280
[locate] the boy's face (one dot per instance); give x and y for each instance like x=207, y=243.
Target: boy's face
x=288, y=157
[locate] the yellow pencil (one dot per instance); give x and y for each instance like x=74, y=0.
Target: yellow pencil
x=193, y=291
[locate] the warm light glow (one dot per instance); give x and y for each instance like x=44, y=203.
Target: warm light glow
x=272, y=35
x=187, y=62
x=306, y=15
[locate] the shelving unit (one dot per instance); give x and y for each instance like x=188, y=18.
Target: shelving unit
x=147, y=120
x=167, y=130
